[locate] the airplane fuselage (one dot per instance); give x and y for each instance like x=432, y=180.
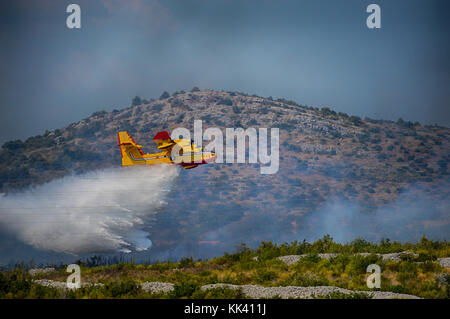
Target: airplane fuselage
x=185, y=154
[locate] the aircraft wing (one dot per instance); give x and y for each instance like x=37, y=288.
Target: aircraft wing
x=185, y=145
x=164, y=142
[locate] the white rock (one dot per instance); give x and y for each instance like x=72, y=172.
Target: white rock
x=37, y=271
x=257, y=292
x=157, y=287
x=444, y=262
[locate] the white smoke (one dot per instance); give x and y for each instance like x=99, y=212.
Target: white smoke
x=101, y=211
x=413, y=214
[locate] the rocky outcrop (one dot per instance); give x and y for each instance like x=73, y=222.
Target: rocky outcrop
x=257, y=292
x=62, y=285
x=444, y=262
x=157, y=287
x=38, y=271
x=253, y=291
x=397, y=256
x=293, y=259
x=51, y=283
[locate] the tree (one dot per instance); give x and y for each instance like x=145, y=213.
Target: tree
x=165, y=95
x=356, y=120
x=13, y=145
x=195, y=89
x=136, y=101
x=225, y=101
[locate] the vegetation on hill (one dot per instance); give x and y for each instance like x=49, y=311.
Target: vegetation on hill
x=400, y=152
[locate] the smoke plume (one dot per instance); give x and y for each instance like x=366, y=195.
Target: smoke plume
x=413, y=214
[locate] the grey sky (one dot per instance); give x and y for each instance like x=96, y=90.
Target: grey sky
x=316, y=52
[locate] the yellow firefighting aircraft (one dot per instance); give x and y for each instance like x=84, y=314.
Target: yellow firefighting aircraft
x=186, y=153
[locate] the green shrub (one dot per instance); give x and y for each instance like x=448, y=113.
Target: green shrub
x=263, y=275
x=407, y=272
x=184, y=289
x=306, y=280
x=121, y=289
x=16, y=283
x=41, y=292
x=359, y=264
x=186, y=262
x=311, y=258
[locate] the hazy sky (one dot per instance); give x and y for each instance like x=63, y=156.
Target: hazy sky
x=317, y=52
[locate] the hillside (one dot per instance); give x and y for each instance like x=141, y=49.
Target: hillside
x=325, y=157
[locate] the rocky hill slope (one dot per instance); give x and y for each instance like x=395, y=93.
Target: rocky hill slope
x=325, y=157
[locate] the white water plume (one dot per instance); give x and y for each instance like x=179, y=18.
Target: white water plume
x=100, y=211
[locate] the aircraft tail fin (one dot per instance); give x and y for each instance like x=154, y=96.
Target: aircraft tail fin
x=132, y=153
x=163, y=140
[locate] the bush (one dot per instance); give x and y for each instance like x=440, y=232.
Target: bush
x=186, y=262
x=263, y=276
x=405, y=124
x=358, y=264
x=307, y=280
x=157, y=107
x=356, y=120
x=225, y=101
x=377, y=148
x=184, y=289
x=327, y=111
x=164, y=95
x=121, y=289
x=136, y=101
x=16, y=283
x=288, y=102
x=13, y=145
x=99, y=114
x=310, y=258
